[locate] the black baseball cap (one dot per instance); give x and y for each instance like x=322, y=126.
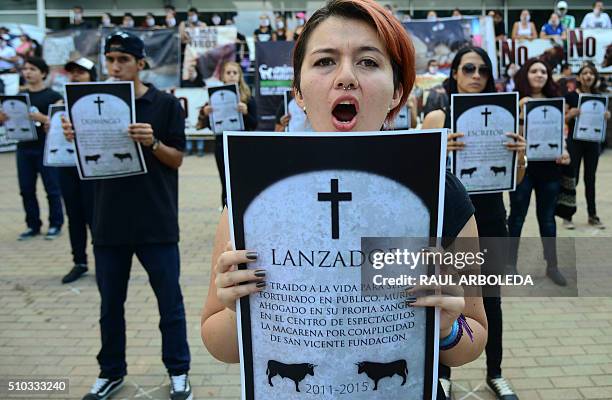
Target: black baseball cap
x=125, y=42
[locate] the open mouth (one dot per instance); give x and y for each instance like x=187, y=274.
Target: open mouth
x=344, y=114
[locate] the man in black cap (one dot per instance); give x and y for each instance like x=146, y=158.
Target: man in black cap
x=30, y=154
x=139, y=215
x=78, y=194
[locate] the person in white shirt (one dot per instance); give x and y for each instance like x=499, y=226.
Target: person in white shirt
x=8, y=55
x=597, y=18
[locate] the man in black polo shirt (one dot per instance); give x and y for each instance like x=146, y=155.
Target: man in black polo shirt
x=139, y=215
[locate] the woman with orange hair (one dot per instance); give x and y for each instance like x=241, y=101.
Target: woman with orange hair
x=354, y=68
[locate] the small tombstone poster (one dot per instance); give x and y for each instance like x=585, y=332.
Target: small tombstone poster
x=59, y=152
x=304, y=201
x=100, y=113
x=485, y=165
x=224, y=103
x=19, y=126
x=544, y=123
x=591, y=122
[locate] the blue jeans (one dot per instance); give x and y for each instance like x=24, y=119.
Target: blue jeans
x=162, y=263
x=78, y=198
x=29, y=165
x=199, y=146
x=547, y=192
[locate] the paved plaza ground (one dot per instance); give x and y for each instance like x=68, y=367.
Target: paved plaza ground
x=555, y=348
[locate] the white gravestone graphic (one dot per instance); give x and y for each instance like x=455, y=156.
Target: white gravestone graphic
x=299, y=217
x=18, y=126
x=544, y=133
x=591, y=121
x=225, y=114
x=59, y=152
x=101, y=125
x=485, y=163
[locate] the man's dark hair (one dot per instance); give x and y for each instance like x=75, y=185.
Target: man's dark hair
x=80, y=8
x=193, y=10
x=169, y=7
x=127, y=14
x=38, y=63
x=431, y=62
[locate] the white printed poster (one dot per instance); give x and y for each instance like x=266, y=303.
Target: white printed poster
x=591, y=122
x=19, y=125
x=485, y=165
x=544, y=123
x=100, y=114
x=59, y=152
x=224, y=103
x=313, y=332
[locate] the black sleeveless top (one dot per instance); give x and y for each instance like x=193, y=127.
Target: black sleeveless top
x=489, y=206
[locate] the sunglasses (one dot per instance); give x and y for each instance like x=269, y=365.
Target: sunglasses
x=470, y=69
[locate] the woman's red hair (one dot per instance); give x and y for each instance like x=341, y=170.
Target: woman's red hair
x=389, y=29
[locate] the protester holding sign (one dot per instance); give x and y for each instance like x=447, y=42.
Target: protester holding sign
x=30, y=154
x=535, y=81
x=354, y=69
x=471, y=72
x=78, y=194
x=139, y=215
x=587, y=79
x=231, y=73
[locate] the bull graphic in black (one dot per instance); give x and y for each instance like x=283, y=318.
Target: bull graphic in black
x=94, y=158
x=70, y=151
x=467, y=171
x=597, y=130
x=583, y=129
x=295, y=372
x=122, y=156
x=218, y=122
x=53, y=151
x=377, y=371
x=233, y=120
x=534, y=146
x=25, y=129
x=497, y=170
x=553, y=145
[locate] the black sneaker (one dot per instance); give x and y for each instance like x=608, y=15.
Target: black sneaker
x=53, y=232
x=596, y=222
x=103, y=388
x=501, y=387
x=29, y=234
x=75, y=273
x=180, y=389
x=555, y=275
x=447, y=386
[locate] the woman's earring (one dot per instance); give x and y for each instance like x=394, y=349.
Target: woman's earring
x=304, y=108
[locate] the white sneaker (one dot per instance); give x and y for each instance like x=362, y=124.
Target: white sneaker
x=180, y=389
x=568, y=224
x=103, y=388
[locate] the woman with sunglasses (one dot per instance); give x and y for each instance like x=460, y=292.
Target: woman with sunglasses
x=230, y=73
x=579, y=150
x=534, y=81
x=348, y=49
x=471, y=72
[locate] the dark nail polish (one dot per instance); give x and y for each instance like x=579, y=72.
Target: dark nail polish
x=260, y=284
x=260, y=273
x=251, y=255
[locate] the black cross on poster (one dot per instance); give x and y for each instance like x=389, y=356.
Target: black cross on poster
x=99, y=102
x=544, y=110
x=335, y=198
x=486, y=114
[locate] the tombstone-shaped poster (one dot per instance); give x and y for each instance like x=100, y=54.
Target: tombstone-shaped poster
x=59, y=152
x=402, y=119
x=19, y=126
x=543, y=127
x=298, y=121
x=591, y=122
x=100, y=113
x=485, y=165
x=304, y=201
x=224, y=103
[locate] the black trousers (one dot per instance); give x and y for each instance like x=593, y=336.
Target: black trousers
x=78, y=198
x=220, y=159
x=492, y=304
x=589, y=152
